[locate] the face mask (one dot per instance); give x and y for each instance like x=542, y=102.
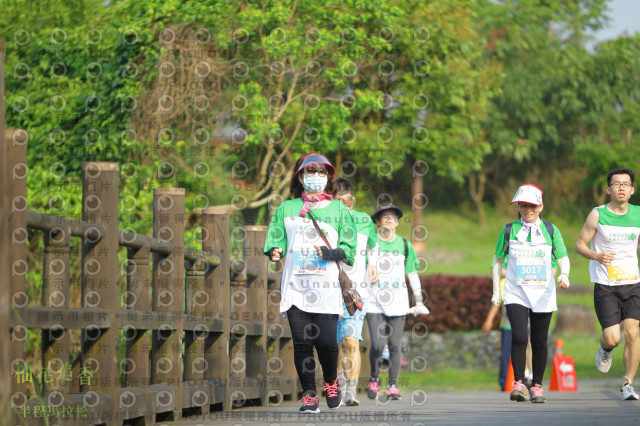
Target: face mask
x=315, y=183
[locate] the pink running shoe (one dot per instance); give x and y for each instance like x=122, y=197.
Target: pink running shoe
x=537, y=395
x=393, y=393
x=334, y=396
x=372, y=388
x=520, y=392
x=309, y=403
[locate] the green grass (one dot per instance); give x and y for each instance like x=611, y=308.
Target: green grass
x=582, y=348
x=450, y=379
x=458, y=245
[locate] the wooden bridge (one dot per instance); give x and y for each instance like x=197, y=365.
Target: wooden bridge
x=202, y=332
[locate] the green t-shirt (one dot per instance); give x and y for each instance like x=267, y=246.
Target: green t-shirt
x=396, y=247
x=336, y=215
x=308, y=282
x=365, y=226
x=389, y=295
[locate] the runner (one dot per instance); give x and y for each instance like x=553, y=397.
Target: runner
x=529, y=291
x=350, y=327
x=613, y=230
x=389, y=301
x=311, y=298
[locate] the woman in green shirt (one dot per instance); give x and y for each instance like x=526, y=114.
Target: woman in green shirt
x=310, y=294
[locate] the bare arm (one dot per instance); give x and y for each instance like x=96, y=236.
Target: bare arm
x=488, y=323
x=586, y=235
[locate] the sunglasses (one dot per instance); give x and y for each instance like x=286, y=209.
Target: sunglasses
x=310, y=171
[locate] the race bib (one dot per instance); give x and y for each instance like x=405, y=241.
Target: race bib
x=623, y=274
x=306, y=261
x=531, y=274
x=391, y=282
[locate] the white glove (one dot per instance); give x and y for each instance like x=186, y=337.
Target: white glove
x=565, y=267
x=419, y=309
x=496, y=275
x=563, y=280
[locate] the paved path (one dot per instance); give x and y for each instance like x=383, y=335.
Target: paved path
x=595, y=403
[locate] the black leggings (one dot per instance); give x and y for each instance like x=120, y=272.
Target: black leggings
x=519, y=316
x=385, y=330
x=309, y=330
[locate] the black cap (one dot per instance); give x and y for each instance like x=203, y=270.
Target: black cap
x=378, y=212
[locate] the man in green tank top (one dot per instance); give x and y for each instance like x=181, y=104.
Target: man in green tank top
x=613, y=230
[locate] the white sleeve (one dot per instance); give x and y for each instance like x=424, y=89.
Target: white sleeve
x=372, y=255
x=564, y=265
x=416, y=287
x=496, y=275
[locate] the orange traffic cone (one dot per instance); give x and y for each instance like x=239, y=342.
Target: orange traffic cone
x=508, y=386
x=563, y=372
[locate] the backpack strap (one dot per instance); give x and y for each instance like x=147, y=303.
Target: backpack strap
x=549, y=227
x=507, y=235
x=406, y=250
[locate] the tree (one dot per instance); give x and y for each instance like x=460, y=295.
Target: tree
x=538, y=105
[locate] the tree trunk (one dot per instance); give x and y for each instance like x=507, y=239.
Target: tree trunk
x=477, y=185
x=599, y=194
x=418, y=204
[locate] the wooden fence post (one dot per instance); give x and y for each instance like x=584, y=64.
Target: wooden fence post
x=215, y=240
x=281, y=369
x=100, y=274
x=238, y=336
x=194, y=361
x=257, y=345
x=168, y=286
x=5, y=248
x=15, y=143
x=137, y=360
x=55, y=294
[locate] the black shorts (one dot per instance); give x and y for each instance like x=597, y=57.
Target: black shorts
x=616, y=303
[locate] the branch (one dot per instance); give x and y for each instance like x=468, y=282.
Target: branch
x=293, y=11
x=265, y=200
x=293, y=136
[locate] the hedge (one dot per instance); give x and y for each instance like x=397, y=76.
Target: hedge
x=456, y=303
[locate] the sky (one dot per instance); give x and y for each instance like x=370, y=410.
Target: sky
x=625, y=16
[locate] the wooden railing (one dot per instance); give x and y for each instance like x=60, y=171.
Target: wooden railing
x=204, y=332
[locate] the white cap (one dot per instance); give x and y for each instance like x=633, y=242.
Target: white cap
x=528, y=193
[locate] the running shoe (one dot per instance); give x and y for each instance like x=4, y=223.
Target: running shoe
x=352, y=402
x=334, y=396
x=603, y=360
x=309, y=403
x=537, y=394
x=520, y=392
x=393, y=393
x=372, y=388
x=628, y=392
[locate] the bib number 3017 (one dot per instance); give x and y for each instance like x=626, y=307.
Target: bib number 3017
x=529, y=275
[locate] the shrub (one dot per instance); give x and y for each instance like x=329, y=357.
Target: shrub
x=457, y=303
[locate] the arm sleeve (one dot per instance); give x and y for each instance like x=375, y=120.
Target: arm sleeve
x=276, y=234
x=412, y=260
x=372, y=255
x=496, y=275
x=416, y=287
x=332, y=254
x=564, y=265
x=347, y=236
